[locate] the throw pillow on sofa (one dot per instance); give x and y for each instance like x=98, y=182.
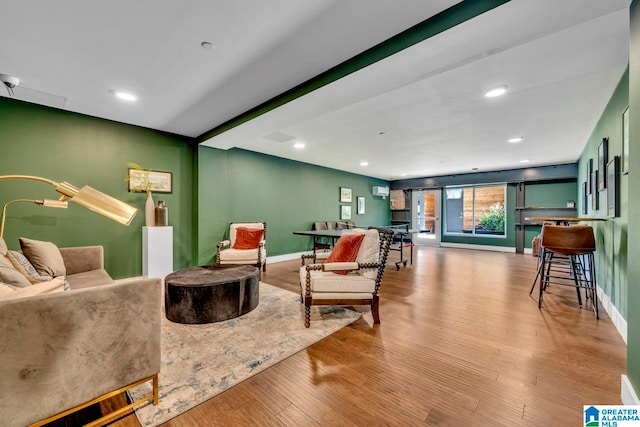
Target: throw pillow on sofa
x=45, y=257
x=22, y=264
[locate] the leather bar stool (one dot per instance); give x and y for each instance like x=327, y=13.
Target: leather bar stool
x=568, y=259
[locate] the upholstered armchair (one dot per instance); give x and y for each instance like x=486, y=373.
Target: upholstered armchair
x=247, y=244
x=350, y=275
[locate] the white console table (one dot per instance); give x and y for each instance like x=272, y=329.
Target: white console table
x=157, y=251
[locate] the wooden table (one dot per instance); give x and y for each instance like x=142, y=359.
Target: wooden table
x=211, y=293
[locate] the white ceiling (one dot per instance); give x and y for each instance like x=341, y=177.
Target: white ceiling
x=560, y=58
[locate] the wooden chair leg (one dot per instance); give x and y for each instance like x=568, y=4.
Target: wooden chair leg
x=307, y=316
x=375, y=303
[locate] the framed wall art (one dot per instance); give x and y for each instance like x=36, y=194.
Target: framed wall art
x=585, y=197
x=345, y=212
x=625, y=142
x=156, y=181
x=603, y=152
x=590, y=188
x=345, y=195
x=360, y=200
x=613, y=193
x=594, y=195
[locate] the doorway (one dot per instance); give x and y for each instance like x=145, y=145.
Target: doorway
x=425, y=217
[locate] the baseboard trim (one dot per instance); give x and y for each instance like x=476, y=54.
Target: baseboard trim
x=478, y=247
x=285, y=257
x=618, y=321
x=629, y=395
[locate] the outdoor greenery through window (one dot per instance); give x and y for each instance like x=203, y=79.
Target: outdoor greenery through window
x=476, y=210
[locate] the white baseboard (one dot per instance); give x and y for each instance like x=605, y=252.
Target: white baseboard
x=478, y=247
x=618, y=321
x=629, y=395
x=285, y=257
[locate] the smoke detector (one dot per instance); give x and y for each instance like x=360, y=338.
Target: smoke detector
x=10, y=82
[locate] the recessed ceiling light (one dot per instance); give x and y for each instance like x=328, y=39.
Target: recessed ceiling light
x=125, y=96
x=299, y=145
x=516, y=139
x=496, y=91
x=474, y=169
x=207, y=45
x=525, y=161
x=403, y=174
x=364, y=163
x=381, y=132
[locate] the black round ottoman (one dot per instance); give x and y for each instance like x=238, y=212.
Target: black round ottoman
x=211, y=293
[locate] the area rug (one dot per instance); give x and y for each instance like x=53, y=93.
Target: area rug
x=201, y=361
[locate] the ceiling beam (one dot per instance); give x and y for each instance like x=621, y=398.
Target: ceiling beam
x=437, y=24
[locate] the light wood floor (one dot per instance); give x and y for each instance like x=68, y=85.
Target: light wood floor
x=461, y=343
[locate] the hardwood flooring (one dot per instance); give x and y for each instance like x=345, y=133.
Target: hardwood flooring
x=461, y=343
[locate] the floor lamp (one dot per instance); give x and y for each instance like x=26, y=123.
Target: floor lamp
x=46, y=202
x=87, y=197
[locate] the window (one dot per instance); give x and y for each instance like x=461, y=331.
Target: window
x=477, y=210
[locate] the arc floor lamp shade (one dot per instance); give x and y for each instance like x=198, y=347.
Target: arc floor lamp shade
x=86, y=197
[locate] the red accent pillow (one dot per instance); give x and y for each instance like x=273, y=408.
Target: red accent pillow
x=247, y=238
x=346, y=250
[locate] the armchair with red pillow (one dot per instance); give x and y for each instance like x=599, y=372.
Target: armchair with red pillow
x=350, y=275
x=247, y=244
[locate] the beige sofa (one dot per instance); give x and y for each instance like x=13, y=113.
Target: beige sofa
x=60, y=350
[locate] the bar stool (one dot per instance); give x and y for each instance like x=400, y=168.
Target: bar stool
x=568, y=259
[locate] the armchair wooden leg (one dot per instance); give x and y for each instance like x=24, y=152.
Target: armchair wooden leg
x=375, y=303
x=307, y=316
x=264, y=267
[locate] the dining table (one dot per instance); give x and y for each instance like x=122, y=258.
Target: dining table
x=401, y=239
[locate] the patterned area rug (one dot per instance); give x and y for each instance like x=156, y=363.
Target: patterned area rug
x=201, y=361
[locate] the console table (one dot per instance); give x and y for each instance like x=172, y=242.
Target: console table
x=211, y=293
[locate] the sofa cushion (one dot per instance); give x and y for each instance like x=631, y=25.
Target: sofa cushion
x=45, y=256
x=88, y=279
x=54, y=285
x=22, y=264
x=11, y=276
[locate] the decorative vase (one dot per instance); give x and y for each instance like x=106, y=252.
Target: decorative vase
x=149, y=211
x=162, y=214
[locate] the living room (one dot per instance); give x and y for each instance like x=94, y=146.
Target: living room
x=213, y=187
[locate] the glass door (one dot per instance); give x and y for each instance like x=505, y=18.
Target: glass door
x=425, y=217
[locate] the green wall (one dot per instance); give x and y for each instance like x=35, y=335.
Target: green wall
x=84, y=150
x=611, y=235
x=240, y=185
x=633, y=272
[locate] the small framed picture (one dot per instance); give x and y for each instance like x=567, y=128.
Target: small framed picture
x=345, y=212
x=156, y=181
x=345, y=195
x=594, y=196
x=625, y=141
x=603, y=153
x=590, y=188
x=613, y=196
x=360, y=205
x=585, y=197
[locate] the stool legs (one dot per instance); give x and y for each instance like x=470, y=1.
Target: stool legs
x=579, y=269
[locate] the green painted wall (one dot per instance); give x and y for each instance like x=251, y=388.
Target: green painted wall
x=633, y=206
x=83, y=150
x=240, y=185
x=611, y=235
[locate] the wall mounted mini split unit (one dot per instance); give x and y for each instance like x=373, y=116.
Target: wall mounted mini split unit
x=380, y=191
